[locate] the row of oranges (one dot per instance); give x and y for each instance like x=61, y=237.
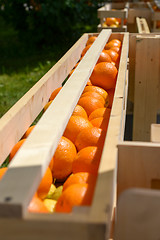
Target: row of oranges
x=76, y=160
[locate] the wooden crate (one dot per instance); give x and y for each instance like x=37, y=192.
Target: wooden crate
x=155, y=15
x=24, y=174
x=117, y=10
x=138, y=175
x=137, y=9
x=137, y=71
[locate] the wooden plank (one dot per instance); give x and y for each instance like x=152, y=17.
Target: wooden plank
x=138, y=214
x=139, y=27
x=155, y=133
x=108, y=166
x=104, y=13
x=137, y=205
x=114, y=29
x=29, y=106
x=40, y=146
x=146, y=86
x=142, y=25
x=48, y=229
x=138, y=165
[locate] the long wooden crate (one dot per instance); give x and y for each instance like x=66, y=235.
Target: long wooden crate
x=24, y=174
x=110, y=10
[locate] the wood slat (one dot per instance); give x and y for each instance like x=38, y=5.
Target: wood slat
x=142, y=25
x=155, y=133
x=146, y=90
x=137, y=184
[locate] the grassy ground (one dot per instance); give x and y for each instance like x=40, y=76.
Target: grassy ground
x=16, y=81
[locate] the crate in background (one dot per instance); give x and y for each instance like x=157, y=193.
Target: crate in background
x=137, y=9
x=113, y=10
x=155, y=15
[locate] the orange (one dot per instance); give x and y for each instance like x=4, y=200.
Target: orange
x=89, y=83
x=111, y=44
x=90, y=103
x=80, y=177
x=116, y=49
x=100, y=112
x=36, y=205
x=75, y=195
x=85, y=50
x=47, y=105
x=114, y=55
x=16, y=148
x=119, y=20
x=117, y=41
x=71, y=72
x=100, y=122
x=54, y=93
x=90, y=137
x=104, y=75
x=76, y=65
x=95, y=95
x=45, y=184
x=104, y=57
x=79, y=111
x=96, y=89
x=91, y=40
x=110, y=21
x=3, y=171
x=87, y=160
x=29, y=130
x=63, y=159
x=74, y=126
x=111, y=96
x=51, y=164
x=158, y=24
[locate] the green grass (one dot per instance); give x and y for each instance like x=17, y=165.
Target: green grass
x=18, y=75
x=14, y=85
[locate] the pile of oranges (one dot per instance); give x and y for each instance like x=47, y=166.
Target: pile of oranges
x=70, y=178
x=113, y=22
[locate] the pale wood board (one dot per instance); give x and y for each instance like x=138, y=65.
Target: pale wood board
x=114, y=29
x=138, y=165
x=132, y=59
x=147, y=76
x=155, y=133
x=41, y=144
x=29, y=106
x=138, y=214
x=142, y=25
x=105, y=13
x=35, y=229
x=108, y=166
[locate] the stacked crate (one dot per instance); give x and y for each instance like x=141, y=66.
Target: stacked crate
x=113, y=10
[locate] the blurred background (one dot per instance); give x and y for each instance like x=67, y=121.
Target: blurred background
x=34, y=35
